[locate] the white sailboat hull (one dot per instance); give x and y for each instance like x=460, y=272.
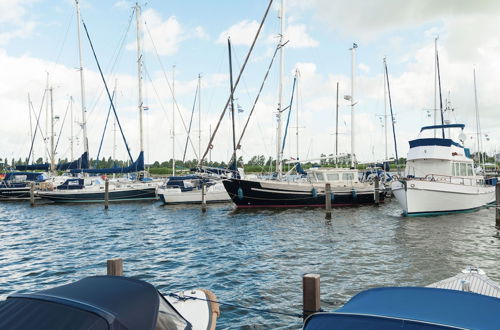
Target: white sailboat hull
x=214, y=194
x=422, y=197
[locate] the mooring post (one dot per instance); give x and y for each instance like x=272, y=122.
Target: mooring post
x=497, y=204
x=32, y=194
x=203, y=196
x=310, y=294
x=106, y=194
x=115, y=267
x=328, y=201
x=377, y=191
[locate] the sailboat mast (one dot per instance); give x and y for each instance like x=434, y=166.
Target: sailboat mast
x=385, y=109
x=478, y=123
x=440, y=94
x=392, y=116
x=279, y=153
x=297, y=75
x=435, y=84
x=173, y=119
x=31, y=129
x=82, y=84
x=52, y=151
x=71, y=126
x=45, y=140
x=139, y=74
x=232, y=97
x=199, y=117
x=353, y=63
x=337, y=125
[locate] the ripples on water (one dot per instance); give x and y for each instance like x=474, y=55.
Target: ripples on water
x=253, y=258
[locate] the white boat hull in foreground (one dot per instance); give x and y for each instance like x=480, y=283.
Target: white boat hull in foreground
x=199, y=307
x=214, y=194
x=422, y=197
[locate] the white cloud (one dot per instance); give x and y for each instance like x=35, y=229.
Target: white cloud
x=123, y=4
x=13, y=21
x=241, y=33
x=298, y=37
x=363, y=67
x=23, y=32
x=200, y=33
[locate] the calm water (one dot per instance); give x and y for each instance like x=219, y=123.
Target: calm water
x=254, y=258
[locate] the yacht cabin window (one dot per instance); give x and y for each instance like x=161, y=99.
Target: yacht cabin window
x=332, y=176
x=348, y=176
x=319, y=176
x=462, y=169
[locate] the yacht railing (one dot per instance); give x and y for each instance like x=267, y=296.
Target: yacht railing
x=474, y=181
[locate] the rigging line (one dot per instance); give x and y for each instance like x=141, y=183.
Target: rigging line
x=62, y=125
x=210, y=146
x=107, y=91
x=115, y=58
x=289, y=113
x=170, y=88
x=392, y=116
x=238, y=145
x=64, y=40
x=190, y=123
x=260, y=310
x=104, y=131
x=37, y=126
x=156, y=92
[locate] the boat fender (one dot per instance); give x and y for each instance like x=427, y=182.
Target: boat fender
x=214, y=307
x=314, y=193
x=332, y=196
x=354, y=194
x=412, y=185
x=240, y=193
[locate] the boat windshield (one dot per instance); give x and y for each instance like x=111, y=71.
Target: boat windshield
x=168, y=318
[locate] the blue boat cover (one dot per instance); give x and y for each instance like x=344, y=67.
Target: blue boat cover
x=411, y=308
x=82, y=162
x=97, y=302
x=462, y=126
x=136, y=166
x=30, y=176
x=433, y=142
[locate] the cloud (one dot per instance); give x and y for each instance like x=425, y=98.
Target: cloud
x=23, y=32
x=298, y=37
x=200, y=33
x=241, y=33
x=13, y=20
x=363, y=67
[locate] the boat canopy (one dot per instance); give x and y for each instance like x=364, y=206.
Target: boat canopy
x=25, y=176
x=136, y=166
x=97, y=302
x=462, y=126
x=411, y=308
x=434, y=142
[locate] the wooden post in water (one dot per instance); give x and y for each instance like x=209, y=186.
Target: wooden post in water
x=115, y=267
x=32, y=194
x=106, y=194
x=310, y=294
x=328, y=201
x=377, y=191
x=203, y=196
x=497, y=204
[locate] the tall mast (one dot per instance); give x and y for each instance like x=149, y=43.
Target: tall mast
x=385, y=109
x=82, y=84
x=435, y=84
x=353, y=63
x=199, y=117
x=52, y=151
x=114, y=123
x=279, y=153
x=45, y=140
x=392, y=115
x=232, y=97
x=173, y=119
x=297, y=75
x=31, y=129
x=71, y=127
x=478, y=123
x=337, y=125
x=139, y=74
x=440, y=94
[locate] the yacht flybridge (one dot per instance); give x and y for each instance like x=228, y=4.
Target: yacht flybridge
x=440, y=176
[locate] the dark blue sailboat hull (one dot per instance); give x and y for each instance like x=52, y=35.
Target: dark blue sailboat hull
x=143, y=194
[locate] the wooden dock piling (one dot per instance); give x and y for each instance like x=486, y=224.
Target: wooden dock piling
x=32, y=194
x=497, y=204
x=115, y=267
x=328, y=201
x=310, y=294
x=377, y=190
x=203, y=197
x=106, y=194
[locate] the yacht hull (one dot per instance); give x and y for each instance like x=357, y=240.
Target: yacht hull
x=425, y=198
x=68, y=196
x=267, y=193
x=214, y=194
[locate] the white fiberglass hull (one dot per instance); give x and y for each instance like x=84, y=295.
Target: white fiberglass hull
x=214, y=194
x=422, y=197
x=199, y=307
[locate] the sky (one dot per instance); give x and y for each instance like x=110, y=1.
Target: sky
x=182, y=40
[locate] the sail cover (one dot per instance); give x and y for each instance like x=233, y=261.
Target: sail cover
x=136, y=166
x=82, y=162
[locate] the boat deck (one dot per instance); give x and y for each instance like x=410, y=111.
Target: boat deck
x=471, y=280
